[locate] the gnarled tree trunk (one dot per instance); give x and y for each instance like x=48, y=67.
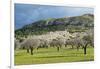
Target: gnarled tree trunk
x=31, y=48
x=85, y=49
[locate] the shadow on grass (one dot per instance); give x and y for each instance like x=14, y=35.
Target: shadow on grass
x=58, y=56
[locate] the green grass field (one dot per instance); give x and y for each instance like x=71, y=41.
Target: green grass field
x=50, y=55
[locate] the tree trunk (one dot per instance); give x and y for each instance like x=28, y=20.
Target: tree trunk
x=27, y=50
x=31, y=48
x=57, y=48
x=65, y=45
x=37, y=48
x=77, y=48
x=46, y=47
x=85, y=52
x=72, y=47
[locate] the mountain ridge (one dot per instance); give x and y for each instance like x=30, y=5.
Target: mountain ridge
x=53, y=24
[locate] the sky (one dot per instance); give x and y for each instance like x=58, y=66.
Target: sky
x=29, y=13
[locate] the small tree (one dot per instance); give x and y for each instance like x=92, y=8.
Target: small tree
x=87, y=40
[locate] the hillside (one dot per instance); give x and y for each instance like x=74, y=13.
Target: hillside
x=78, y=23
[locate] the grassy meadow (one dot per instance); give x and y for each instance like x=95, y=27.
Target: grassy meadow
x=51, y=55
